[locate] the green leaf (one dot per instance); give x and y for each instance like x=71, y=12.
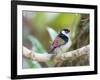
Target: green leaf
x=50, y=63
x=62, y=20
x=39, y=20
x=36, y=44
x=52, y=33
x=28, y=63
x=74, y=25
x=36, y=64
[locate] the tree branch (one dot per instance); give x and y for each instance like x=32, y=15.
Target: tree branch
x=78, y=52
x=45, y=57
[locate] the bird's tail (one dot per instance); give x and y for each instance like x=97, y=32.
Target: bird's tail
x=51, y=51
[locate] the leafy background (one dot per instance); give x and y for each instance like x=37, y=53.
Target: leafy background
x=40, y=28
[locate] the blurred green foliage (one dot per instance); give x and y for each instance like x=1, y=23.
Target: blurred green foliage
x=28, y=63
x=36, y=44
x=52, y=33
x=39, y=21
x=44, y=27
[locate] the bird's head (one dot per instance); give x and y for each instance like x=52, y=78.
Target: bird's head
x=64, y=34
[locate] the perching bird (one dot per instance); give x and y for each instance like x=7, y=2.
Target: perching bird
x=61, y=43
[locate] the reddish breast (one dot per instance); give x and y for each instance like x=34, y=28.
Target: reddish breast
x=55, y=43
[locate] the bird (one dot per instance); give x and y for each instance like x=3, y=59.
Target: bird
x=61, y=43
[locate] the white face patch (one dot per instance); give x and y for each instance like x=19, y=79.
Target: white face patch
x=63, y=32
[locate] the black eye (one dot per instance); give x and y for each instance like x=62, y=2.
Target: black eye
x=66, y=30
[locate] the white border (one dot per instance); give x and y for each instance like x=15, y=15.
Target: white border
x=21, y=71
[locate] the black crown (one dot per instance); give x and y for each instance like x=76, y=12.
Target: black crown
x=66, y=30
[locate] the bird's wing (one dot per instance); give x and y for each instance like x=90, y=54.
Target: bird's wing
x=57, y=42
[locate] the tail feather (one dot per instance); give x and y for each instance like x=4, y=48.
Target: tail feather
x=51, y=51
